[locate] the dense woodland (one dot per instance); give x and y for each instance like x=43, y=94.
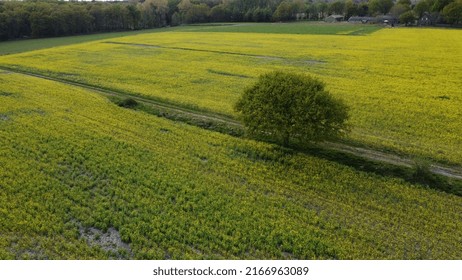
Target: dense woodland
x=23, y=19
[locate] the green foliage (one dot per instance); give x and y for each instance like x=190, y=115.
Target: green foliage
x=23, y=19
x=421, y=7
x=337, y=7
x=452, y=13
x=128, y=103
x=197, y=13
x=407, y=18
x=438, y=5
x=380, y=6
x=422, y=173
x=283, y=12
x=285, y=106
x=398, y=9
x=220, y=13
x=404, y=2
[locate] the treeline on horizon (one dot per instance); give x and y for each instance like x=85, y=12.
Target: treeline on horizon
x=24, y=19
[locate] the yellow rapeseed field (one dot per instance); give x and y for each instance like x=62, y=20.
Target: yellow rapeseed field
x=403, y=85
x=72, y=163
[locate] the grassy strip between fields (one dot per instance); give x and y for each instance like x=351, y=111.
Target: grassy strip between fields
x=302, y=28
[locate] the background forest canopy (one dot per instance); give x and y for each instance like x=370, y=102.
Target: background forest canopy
x=23, y=19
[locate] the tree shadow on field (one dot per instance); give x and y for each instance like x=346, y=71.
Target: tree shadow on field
x=418, y=174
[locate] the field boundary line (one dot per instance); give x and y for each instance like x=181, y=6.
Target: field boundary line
x=364, y=153
x=190, y=49
x=269, y=57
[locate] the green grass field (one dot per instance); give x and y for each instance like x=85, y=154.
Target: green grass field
x=76, y=170
x=288, y=28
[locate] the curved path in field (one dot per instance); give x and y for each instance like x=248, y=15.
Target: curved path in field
x=365, y=153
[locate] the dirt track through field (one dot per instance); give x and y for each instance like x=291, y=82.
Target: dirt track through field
x=365, y=153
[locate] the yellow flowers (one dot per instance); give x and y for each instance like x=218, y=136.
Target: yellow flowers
x=403, y=85
x=72, y=161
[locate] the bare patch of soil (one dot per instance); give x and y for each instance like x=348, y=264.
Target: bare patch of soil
x=109, y=241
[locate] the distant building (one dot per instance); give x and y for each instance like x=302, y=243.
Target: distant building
x=362, y=20
x=300, y=16
x=334, y=18
x=387, y=19
x=426, y=19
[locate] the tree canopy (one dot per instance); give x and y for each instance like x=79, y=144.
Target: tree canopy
x=50, y=18
x=286, y=106
x=380, y=6
x=452, y=13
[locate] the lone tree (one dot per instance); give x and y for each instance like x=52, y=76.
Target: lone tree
x=286, y=107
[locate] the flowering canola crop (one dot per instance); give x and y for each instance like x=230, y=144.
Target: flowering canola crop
x=71, y=162
x=403, y=85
